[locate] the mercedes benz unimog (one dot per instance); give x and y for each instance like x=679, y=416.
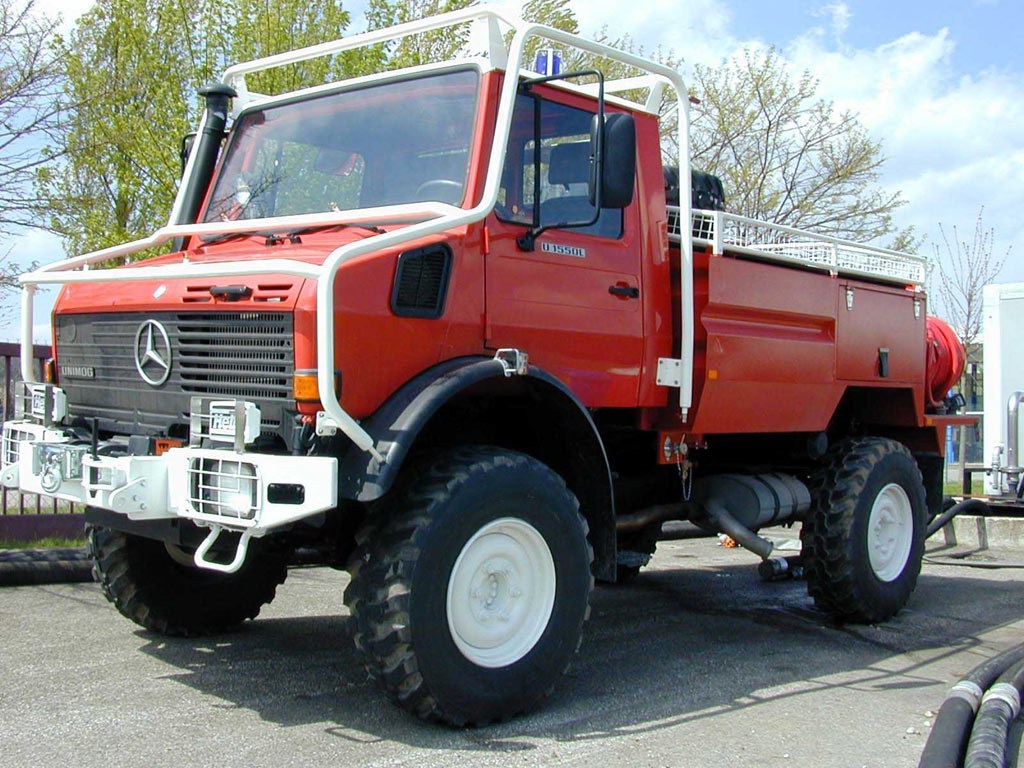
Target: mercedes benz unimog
x=464, y=331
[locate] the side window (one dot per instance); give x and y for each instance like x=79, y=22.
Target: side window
x=560, y=192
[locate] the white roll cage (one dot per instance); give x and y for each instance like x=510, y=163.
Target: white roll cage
x=430, y=217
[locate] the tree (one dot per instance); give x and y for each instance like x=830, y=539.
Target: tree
x=28, y=109
x=424, y=48
x=964, y=269
x=131, y=72
x=28, y=105
x=785, y=154
x=132, y=68
x=263, y=28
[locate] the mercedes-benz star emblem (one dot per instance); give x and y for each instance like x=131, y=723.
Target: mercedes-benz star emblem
x=152, y=353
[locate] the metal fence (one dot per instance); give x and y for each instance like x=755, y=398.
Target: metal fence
x=16, y=502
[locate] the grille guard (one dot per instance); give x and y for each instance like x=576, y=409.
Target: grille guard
x=176, y=484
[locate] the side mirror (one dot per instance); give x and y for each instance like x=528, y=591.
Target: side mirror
x=613, y=173
x=187, y=142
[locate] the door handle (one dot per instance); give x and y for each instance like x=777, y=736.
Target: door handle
x=625, y=291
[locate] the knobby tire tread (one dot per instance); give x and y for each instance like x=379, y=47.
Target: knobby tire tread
x=835, y=489
x=127, y=581
x=382, y=570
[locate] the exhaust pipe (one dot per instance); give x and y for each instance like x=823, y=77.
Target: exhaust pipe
x=736, y=505
x=739, y=505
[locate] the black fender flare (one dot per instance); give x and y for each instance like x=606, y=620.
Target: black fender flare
x=397, y=424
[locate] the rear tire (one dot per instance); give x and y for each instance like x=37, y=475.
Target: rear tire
x=864, y=539
x=469, y=600
x=152, y=584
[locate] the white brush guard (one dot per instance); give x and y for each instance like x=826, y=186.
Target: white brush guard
x=220, y=489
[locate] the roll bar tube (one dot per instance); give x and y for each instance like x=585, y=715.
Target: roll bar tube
x=439, y=217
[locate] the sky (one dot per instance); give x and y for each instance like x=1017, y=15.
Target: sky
x=940, y=83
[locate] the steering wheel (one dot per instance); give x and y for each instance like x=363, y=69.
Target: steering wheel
x=441, y=190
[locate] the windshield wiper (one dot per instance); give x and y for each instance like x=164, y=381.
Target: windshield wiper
x=271, y=238
x=293, y=236
x=275, y=238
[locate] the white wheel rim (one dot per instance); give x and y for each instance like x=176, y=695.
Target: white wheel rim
x=501, y=593
x=890, y=532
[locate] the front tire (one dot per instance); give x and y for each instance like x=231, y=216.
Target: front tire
x=864, y=539
x=154, y=585
x=469, y=599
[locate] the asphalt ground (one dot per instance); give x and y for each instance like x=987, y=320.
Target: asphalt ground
x=696, y=663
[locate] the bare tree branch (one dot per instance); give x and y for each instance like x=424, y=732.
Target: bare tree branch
x=29, y=106
x=964, y=269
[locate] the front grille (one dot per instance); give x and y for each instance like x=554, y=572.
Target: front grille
x=243, y=355
x=246, y=356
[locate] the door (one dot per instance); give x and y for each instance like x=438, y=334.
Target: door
x=574, y=302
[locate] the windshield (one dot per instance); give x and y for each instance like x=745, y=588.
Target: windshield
x=400, y=142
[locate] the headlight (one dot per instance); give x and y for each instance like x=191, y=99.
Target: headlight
x=224, y=488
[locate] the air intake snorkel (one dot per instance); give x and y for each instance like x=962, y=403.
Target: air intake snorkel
x=203, y=160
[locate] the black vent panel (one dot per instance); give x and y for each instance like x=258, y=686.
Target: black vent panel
x=421, y=282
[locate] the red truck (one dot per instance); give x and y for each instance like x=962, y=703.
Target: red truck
x=458, y=330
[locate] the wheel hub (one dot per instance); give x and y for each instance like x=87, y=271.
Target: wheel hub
x=890, y=532
x=501, y=593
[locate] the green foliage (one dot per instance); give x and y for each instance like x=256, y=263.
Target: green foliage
x=131, y=72
x=263, y=29
x=124, y=78
x=47, y=543
x=424, y=48
x=553, y=13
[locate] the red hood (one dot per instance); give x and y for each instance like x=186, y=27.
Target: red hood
x=269, y=292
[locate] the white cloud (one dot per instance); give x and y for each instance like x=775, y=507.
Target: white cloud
x=68, y=10
x=952, y=143
x=698, y=30
x=838, y=15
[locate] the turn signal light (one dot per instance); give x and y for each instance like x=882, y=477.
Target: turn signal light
x=50, y=371
x=305, y=388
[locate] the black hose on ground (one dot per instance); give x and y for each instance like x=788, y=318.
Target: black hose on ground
x=999, y=708
x=947, y=744
x=967, y=505
x=21, y=567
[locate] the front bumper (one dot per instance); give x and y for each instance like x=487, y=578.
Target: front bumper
x=223, y=489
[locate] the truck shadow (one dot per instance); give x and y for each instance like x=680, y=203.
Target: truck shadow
x=673, y=647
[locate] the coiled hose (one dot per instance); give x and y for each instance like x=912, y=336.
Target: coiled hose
x=947, y=744
x=999, y=708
